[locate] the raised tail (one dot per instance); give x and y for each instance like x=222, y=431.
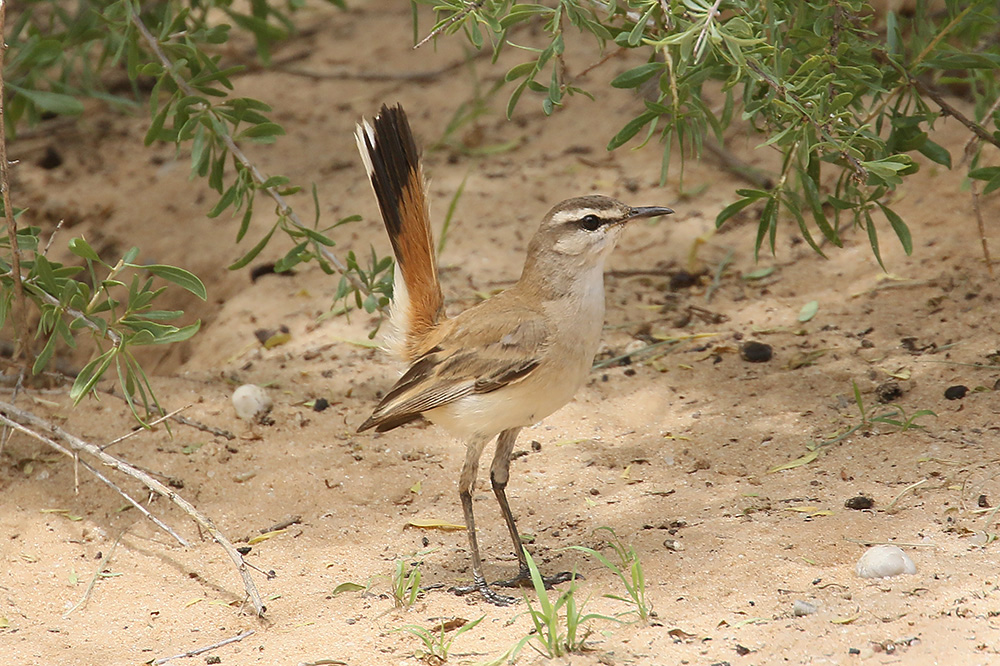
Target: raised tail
x=393, y=163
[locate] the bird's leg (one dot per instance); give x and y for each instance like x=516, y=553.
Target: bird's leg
x=465, y=485
x=499, y=475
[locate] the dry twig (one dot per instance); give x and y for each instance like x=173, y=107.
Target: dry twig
x=105, y=559
x=202, y=650
x=31, y=425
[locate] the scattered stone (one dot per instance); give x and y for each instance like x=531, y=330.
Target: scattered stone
x=756, y=352
x=983, y=502
x=673, y=544
x=682, y=280
x=956, y=392
x=251, y=402
x=887, y=392
x=319, y=404
x=801, y=608
x=860, y=503
x=884, y=562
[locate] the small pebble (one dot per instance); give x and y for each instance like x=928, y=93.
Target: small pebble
x=887, y=392
x=884, y=562
x=682, y=280
x=673, y=544
x=320, y=404
x=956, y=392
x=860, y=503
x=756, y=352
x=251, y=402
x=801, y=608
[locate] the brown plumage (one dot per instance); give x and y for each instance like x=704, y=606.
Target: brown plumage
x=393, y=165
x=507, y=362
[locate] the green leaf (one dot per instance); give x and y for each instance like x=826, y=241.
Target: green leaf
x=808, y=311
x=264, y=132
x=902, y=231
x=81, y=248
x=631, y=128
x=225, y=201
x=348, y=587
x=873, y=238
x=42, y=360
x=179, y=276
x=517, y=71
x=65, y=105
x=935, y=153
x=758, y=274
x=90, y=375
x=254, y=251
x=731, y=210
x=637, y=75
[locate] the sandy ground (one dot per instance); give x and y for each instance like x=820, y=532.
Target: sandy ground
x=670, y=449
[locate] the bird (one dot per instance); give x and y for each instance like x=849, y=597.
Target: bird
x=507, y=362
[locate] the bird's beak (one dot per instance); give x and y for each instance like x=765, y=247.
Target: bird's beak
x=647, y=211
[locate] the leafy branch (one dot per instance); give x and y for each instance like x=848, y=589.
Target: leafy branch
x=58, y=56
x=844, y=99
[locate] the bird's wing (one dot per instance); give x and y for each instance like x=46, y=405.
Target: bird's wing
x=472, y=354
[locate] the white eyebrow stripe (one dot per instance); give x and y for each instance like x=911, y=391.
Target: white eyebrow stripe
x=574, y=214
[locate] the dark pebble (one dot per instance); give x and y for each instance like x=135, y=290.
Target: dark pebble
x=996, y=385
x=860, y=503
x=887, y=392
x=320, y=404
x=536, y=445
x=984, y=502
x=956, y=392
x=630, y=372
x=756, y=352
x=213, y=659
x=682, y=280
x=51, y=159
x=244, y=550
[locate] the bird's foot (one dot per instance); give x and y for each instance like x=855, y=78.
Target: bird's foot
x=523, y=579
x=489, y=594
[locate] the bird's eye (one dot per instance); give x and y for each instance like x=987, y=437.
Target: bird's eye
x=590, y=222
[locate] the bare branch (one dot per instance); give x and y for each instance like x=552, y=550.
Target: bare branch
x=105, y=559
x=949, y=110
x=202, y=650
x=14, y=425
x=22, y=419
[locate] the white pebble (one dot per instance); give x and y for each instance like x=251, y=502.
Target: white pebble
x=251, y=401
x=883, y=562
x=801, y=608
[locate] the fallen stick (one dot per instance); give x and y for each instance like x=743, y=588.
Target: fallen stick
x=19, y=417
x=202, y=650
x=105, y=560
x=14, y=425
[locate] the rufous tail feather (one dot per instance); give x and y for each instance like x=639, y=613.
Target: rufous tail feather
x=390, y=155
